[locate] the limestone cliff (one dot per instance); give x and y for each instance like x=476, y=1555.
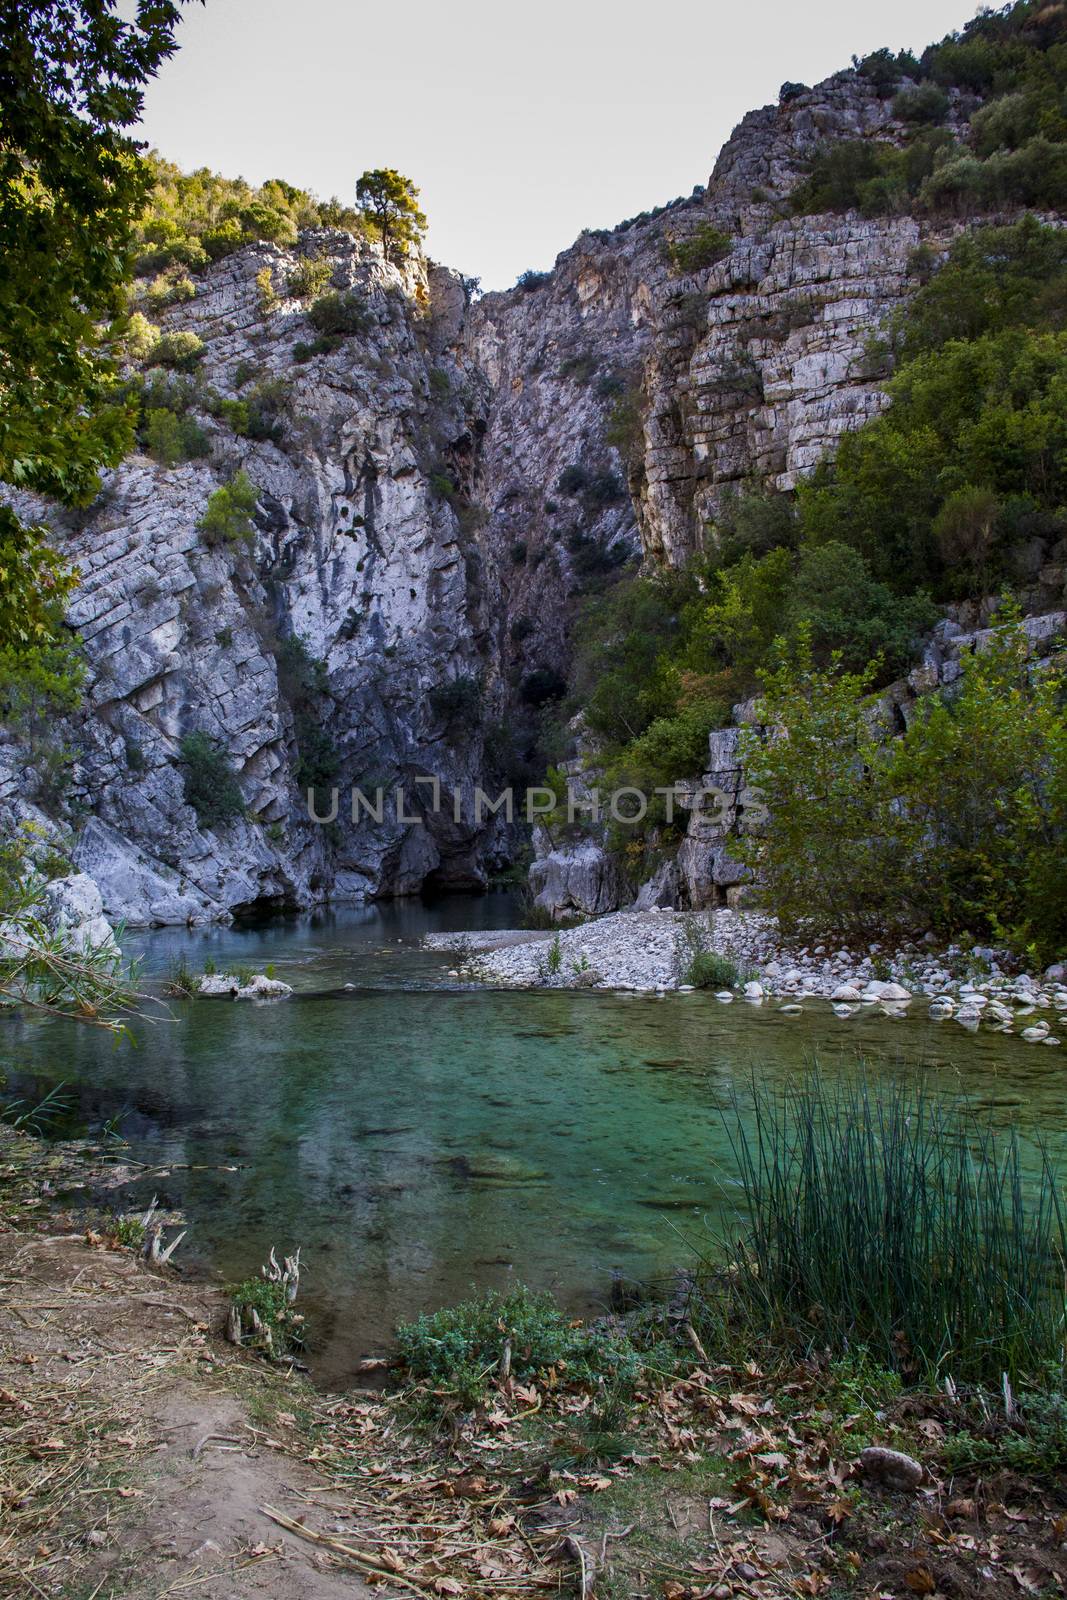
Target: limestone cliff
x=359, y=550
x=439, y=492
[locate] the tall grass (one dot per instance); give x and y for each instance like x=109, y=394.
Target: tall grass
x=884, y=1219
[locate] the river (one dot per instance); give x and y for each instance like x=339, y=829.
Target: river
x=419, y=1139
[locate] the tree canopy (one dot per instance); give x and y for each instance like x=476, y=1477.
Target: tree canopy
x=72, y=185
x=392, y=202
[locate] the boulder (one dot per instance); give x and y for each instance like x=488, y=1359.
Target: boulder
x=74, y=905
x=264, y=988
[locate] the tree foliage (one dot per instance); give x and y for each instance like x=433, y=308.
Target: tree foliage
x=959, y=825
x=391, y=201
x=227, y=518
x=193, y=218
x=1010, y=67
x=72, y=185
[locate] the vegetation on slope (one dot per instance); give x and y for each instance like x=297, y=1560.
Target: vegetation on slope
x=954, y=493
x=1003, y=78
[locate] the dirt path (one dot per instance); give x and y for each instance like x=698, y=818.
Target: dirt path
x=136, y=1450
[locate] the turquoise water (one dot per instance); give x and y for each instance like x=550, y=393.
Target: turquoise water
x=417, y=1139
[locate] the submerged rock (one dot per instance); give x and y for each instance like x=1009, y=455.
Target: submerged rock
x=494, y=1167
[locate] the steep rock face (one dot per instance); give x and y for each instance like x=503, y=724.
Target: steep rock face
x=690, y=383
x=358, y=550
x=444, y=488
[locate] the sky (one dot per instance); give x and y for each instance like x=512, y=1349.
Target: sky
x=521, y=125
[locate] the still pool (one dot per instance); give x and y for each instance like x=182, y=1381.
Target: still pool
x=418, y=1139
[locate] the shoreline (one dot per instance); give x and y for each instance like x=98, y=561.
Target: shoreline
x=647, y=952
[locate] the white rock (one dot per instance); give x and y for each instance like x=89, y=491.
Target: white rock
x=1036, y=1034
x=846, y=991
x=264, y=988
x=219, y=984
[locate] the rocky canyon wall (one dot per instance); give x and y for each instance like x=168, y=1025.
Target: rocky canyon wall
x=440, y=492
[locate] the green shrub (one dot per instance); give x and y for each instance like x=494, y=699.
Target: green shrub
x=266, y=1318
x=927, y=103
x=572, y=480
x=268, y=299
x=440, y=383
x=711, y=970
x=304, y=681
x=211, y=786
x=459, y=1350
x=171, y=438
x=884, y=70
x=457, y=700
x=579, y=368
x=181, y=351
x=887, y=1220
x=702, y=248
x=309, y=278
x=141, y=337
x=169, y=290
x=959, y=825
x=1033, y=1444
x=258, y=414
x=986, y=414
x=228, y=517
x=340, y=315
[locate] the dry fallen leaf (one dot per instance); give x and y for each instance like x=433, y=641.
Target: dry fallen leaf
x=920, y=1580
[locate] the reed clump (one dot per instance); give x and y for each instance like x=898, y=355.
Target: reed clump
x=879, y=1218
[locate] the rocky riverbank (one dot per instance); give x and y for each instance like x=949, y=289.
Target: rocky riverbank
x=650, y=952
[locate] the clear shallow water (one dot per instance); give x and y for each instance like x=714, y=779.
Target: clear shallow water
x=418, y=1140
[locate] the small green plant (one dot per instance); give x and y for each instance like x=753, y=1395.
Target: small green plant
x=340, y=315
x=37, y=1117
x=702, y=248
x=700, y=965
x=171, y=438
x=180, y=350
x=308, y=278
x=268, y=299
x=211, y=786
x=457, y=701
x=555, y=957
x=262, y=1315
x=128, y=1231
x=181, y=980
x=1032, y=1443
x=710, y=969
x=440, y=383
x=228, y=517
x=461, y=1349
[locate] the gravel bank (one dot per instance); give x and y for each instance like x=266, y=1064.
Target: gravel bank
x=647, y=952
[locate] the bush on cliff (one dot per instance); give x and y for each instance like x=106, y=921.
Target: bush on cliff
x=1012, y=150
x=228, y=517
x=959, y=825
x=196, y=217
x=211, y=786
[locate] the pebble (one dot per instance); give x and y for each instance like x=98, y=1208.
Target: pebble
x=644, y=953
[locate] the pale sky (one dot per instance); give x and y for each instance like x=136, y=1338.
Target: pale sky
x=521, y=124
